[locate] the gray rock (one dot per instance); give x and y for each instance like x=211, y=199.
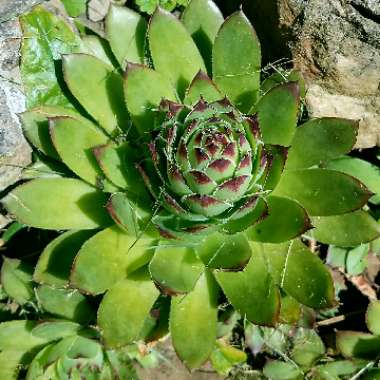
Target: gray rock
x=336, y=44
x=12, y=8
x=15, y=152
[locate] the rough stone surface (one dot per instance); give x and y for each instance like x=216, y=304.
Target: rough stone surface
x=12, y=8
x=336, y=44
x=15, y=152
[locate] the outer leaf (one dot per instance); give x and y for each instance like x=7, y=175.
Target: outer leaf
x=73, y=140
x=126, y=30
x=99, y=89
x=64, y=303
x=287, y=219
x=54, y=264
x=174, y=53
x=195, y=341
x=252, y=292
x=373, y=317
x=56, y=329
x=321, y=140
x=45, y=38
x=75, y=7
x=367, y=173
x=144, y=90
x=202, y=86
x=98, y=47
x=277, y=370
x=277, y=113
x=10, y=364
x=103, y=260
x=348, y=230
x=16, y=280
x=58, y=203
x=124, y=308
x=357, y=344
x=301, y=274
x=202, y=19
x=36, y=126
x=323, y=192
x=237, y=61
x=223, y=251
x=175, y=269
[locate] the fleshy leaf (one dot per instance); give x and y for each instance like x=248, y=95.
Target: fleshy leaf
x=373, y=317
x=323, y=192
x=124, y=308
x=58, y=203
x=174, y=53
x=65, y=303
x=252, y=292
x=144, y=90
x=237, y=61
x=194, y=342
x=287, y=219
x=16, y=280
x=126, y=30
x=56, y=329
x=175, y=269
x=357, y=344
x=73, y=140
x=99, y=89
x=223, y=251
x=277, y=113
x=54, y=264
x=278, y=370
x=348, y=230
x=98, y=47
x=225, y=357
x=45, y=38
x=321, y=140
x=202, y=87
x=301, y=274
x=103, y=260
x=364, y=171
x=202, y=19
x=75, y=7
x=36, y=126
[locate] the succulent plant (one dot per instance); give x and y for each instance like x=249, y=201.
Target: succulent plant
x=180, y=179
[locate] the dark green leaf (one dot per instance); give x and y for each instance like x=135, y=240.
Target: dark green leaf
x=357, y=344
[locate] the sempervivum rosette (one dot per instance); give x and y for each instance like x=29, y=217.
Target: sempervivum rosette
x=178, y=182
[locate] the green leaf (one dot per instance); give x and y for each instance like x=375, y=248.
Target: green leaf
x=16, y=280
x=11, y=231
x=356, y=260
x=202, y=87
x=277, y=113
x=36, y=126
x=126, y=30
x=357, y=344
x=281, y=77
x=339, y=368
x=224, y=251
x=287, y=219
x=45, y=38
x=104, y=259
x=323, y=192
x=252, y=292
x=277, y=370
x=364, y=171
x=301, y=274
x=65, y=303
x=99, y=89
x=124, y=308
x=348, y=230
x=144, y=90
x=54, y=264
x=73, y=140
x=75, y=8
x=372, y=374
x=58, y=203
x=321, y=140
x=56, y=329
x=225, y=357
x=308, y=347
x=98, y=47
x=175, y=269
x=202, y=19
x=194, y=342
x=290, y=312
x=373, y=317
x=10, y=364
x=237, y=61
x=174, y=53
